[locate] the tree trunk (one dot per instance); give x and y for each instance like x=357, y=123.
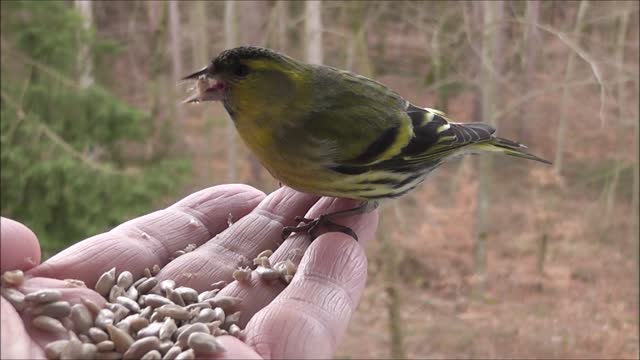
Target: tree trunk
x=313, y=31
x=253, y=24
x=571, y=59
x=200, y=44
x=492, y=42
x=177, y=70
x=532, y=47
x=230, y=41
x=85, y=61
x=392, y=260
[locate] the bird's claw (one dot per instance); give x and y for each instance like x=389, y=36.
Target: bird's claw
x=311, y=227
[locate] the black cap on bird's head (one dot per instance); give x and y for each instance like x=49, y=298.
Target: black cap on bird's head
x=229, y=66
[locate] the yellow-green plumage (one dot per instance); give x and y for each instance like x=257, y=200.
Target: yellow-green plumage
x=330, y=132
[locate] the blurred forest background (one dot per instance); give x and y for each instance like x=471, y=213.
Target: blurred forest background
x=490, y=257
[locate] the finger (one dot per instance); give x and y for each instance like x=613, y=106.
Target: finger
x=257, y=293
x=16, y=342
x=19, y=246
x=71, y=292
x=261, y=229
x=310, y=316
x=153, y=238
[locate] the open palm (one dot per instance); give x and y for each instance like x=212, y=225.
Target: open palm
x=305, y=319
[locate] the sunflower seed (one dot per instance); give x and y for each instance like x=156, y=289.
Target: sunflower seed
x=172, y=353
x=128, y=303
x=84, y=338
x=73, y=350
x=198, y=305
x=54, y=349
x=139, y=281
x=115, y=292
x=126, y=327
x=265, y=253
x=88, y=351
x=175, y=297
x=13, y=278
x=106, y=345
x=138, y=323
x=242, y=275
x=147, y=285
x=111, y=355
x=146, y=312
x=204, y=343
x=234, y=330
x=167, y=284
x=98, y=335
x=231, y=319
x=186, y=355
x=48, y=324
x=121, y=339
x=281, y=268
x=132, y=293
x=207, y=295
x=106, y=282
x=218, y=285
x=75, y=283
x=267, y=273
x=153, y=329
x=81, y=318
x=156, y=317
x=152, y=355
x=205, y=315
x=183, y=336
x=165, y=346
x=168, y=328
x=173, y=311
x=43, y=296
x=155, y=301
x=15, y=297
x=119, y=312
x=72, y=335
x=92, y=306
x=125, y=279
x=105, y=317
x=262, y=261
x=225, y=302
x=187, y=294
x=56, y=309
x=141, y=347
x=155, y=269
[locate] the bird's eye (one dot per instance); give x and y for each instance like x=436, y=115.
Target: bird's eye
x=241, y=70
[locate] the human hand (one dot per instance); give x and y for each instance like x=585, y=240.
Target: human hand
x=305, y=319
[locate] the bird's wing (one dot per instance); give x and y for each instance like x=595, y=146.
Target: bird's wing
x=434, y=137
x=359, y=121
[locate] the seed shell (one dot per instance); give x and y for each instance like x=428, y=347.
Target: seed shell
x=106, y=282
x=48, y=324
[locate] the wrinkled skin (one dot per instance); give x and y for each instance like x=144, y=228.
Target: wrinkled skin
x=307, y=319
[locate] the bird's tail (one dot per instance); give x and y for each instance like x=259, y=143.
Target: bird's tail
x=508, y=147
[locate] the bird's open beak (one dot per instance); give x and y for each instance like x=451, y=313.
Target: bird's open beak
x=197, y=74
x=207, y=87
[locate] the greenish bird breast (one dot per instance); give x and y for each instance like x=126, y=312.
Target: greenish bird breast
x=301, y=124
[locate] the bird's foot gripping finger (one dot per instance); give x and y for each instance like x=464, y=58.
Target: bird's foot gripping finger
x=312, y=227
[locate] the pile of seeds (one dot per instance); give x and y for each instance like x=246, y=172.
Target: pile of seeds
x=136, y=323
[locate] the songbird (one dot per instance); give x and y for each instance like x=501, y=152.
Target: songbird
x=330, y=132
